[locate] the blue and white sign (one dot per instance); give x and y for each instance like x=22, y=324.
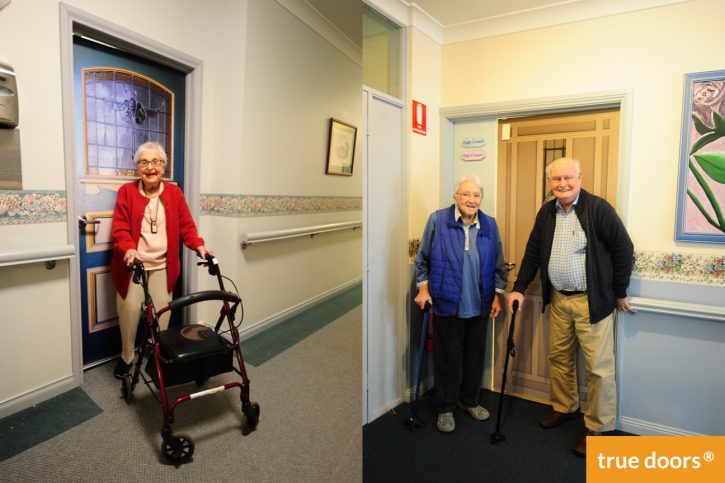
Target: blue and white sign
x=473, y=142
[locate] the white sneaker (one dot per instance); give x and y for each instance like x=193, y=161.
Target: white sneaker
x=479, y=413
x=446, y=423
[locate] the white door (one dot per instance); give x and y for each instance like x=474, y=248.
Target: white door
x=385, y=254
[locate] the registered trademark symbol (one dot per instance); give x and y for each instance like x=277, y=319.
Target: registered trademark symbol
x=709, y=456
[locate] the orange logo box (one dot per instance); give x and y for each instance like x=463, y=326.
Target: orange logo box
x=656, y=459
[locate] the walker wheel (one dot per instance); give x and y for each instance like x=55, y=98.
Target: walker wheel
x=251, y=411
x=179, y=449
x=127, y=388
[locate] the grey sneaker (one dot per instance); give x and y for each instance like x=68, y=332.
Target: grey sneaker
x=446, y=423
x=479, y=413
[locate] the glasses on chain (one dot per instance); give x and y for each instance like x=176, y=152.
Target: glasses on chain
x=153, y=162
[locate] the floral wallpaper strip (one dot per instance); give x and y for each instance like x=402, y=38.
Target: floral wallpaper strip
x=242, y=206
x=672, y=267
x=21, y=207
x=676, y=267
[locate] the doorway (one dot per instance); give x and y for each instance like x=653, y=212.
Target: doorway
x=74, y=21
x=526, y=146
x=122, y=101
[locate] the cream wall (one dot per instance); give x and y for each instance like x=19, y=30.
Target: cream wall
x=291, y=82
x=424, y=168
x=270, y=83
x=647, y=51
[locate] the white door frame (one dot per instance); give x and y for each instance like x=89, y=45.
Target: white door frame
x=72, y=18
x=399, y=263
x=533, y=107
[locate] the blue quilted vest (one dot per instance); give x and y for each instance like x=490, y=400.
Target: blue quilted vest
x=445, y=276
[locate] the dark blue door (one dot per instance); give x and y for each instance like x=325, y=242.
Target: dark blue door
x=121, y=101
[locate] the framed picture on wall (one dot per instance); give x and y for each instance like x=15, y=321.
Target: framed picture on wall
x=700, y=213
x=341, y=148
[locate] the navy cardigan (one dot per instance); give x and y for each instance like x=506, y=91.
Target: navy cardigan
x=609, y=260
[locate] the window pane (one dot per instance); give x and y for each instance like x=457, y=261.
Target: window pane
x=381, y=53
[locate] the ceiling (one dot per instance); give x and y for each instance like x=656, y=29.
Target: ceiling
x=448, y=13
x=459, y=20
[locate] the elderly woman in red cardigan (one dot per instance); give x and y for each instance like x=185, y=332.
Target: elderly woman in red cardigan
x=149, y=220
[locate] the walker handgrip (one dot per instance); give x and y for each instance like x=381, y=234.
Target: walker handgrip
x=212, y=264
x=202, y=297
x=137, y=270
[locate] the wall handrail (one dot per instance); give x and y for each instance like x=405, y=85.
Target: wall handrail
x=248, y=239
x=36, y=255
x=682, y=309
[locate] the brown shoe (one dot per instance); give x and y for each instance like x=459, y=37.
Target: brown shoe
x=580, y=448
x=555, y=418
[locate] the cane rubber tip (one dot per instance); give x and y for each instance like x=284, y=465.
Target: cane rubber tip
x=497, y=438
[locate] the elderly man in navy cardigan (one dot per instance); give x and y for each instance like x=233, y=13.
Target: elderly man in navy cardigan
x=584, y=256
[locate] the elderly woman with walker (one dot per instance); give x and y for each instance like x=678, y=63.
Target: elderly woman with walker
x=149, y=220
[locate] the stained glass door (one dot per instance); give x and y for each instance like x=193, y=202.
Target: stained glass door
x=121, y=101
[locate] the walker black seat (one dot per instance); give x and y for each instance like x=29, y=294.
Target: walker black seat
x=194, y=353
x=191, y=342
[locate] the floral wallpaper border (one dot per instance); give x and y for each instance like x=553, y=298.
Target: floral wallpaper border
x=676, y=267
x=23, y=207
x=665, y=266
x=243, y=206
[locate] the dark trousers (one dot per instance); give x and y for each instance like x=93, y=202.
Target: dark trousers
x=458, y=351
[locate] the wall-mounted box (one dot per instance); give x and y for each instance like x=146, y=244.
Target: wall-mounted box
x=8, y=97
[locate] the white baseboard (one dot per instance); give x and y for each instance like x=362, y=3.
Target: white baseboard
x=265, y=324
x=425, y=386
x=648, y=428
x=37, y=396
x=384, y=409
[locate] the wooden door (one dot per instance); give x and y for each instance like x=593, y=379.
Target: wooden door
x=526, y=147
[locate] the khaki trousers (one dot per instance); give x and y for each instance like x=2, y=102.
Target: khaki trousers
x=129, y=310
x=569, y=329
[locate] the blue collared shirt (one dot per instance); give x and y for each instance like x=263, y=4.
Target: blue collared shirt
x=567, y=263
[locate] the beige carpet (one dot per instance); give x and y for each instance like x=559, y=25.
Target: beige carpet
x=309, y=429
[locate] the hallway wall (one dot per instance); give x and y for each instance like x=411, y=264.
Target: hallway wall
x=265, y=117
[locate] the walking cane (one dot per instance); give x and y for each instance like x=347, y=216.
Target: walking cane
x=414, y=422
x=510, y=351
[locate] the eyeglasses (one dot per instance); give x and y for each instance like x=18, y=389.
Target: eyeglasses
x=154, y=162
x=566, y=179
x=475, y=196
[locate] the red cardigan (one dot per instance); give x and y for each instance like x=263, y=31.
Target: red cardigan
x=126, y=231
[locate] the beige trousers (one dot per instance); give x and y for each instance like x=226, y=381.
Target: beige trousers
x=569, y=329
x=129, y=310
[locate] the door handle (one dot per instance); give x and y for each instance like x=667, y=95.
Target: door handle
x=510, y=266
x=83, y=222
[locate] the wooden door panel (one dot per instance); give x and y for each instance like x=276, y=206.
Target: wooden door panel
x=591, y=137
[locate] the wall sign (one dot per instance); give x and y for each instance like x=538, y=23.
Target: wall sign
x=475, y=155
x=473, y=142
x=419, y=118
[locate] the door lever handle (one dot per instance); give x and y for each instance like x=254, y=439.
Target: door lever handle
x=510, y=266
x=83, y=221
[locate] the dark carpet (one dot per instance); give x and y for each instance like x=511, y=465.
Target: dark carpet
x=36, y=424
x=394, y=453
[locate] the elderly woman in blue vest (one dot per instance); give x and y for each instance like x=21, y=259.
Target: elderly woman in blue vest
x=460, y=269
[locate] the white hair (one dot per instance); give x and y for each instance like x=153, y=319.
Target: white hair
x=469, y=177
x=150, y=146
x=575, y=161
